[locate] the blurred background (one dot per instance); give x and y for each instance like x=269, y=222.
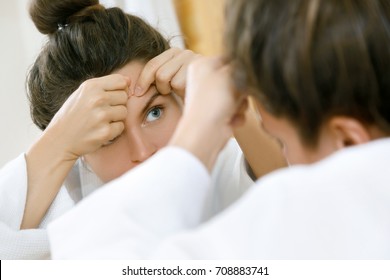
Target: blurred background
x=194, y=24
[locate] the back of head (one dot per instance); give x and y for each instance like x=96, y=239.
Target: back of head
x=85, y=40
x=309, y=60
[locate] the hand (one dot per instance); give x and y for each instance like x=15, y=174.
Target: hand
x=212, y=107
x=92, y=116
x=168, y=71
x=211, y=96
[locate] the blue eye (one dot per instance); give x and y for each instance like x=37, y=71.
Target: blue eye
x=154, y=114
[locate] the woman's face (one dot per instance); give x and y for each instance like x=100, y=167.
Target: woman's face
x=150, y=122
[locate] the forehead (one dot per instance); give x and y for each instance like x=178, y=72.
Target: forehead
x=132, y=70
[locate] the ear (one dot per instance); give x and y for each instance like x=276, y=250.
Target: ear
x=348, y=131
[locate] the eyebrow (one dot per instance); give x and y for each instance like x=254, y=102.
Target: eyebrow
x=150, y=101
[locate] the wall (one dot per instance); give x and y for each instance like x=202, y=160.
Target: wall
x=201, y=22
x=20, y=43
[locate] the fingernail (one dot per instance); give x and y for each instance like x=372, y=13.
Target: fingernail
x=137, y=91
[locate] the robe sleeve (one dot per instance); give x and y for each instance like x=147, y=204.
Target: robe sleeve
x=131, y=215
x=16, y=243
x=13, y=192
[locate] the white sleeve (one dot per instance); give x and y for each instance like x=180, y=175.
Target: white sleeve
x=23, y=244
x=131, y=215
x=16, y=243
x=13, y=192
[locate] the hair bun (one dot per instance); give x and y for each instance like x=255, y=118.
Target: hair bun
x=47, y=15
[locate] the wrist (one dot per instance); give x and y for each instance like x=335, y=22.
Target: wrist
x=47, y=168
x=49, y=150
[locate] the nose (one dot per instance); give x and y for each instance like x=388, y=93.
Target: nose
x=140, y=146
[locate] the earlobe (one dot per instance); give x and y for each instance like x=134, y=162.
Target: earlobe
x=347, y=131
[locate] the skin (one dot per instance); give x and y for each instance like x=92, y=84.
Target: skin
x=114, y=132
x=293, y=150
x=336, y=133
x=211, y=111
x=203, y=131
x=148, y=126
x=97, y=113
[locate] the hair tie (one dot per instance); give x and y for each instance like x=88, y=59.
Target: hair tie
x=61, y=26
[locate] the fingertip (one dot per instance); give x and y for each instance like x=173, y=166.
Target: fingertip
x=128, y=84
x=138, y=91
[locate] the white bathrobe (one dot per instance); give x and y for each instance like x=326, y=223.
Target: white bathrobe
x=338, y=208
x=229, y=179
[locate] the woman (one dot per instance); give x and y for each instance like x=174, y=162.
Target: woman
x=83, y=94
x=319, y=72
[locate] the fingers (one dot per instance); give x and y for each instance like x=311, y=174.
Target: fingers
x=115, y=129
x=148, y=74
x=172, y=75
x=117, y=97
x=164, y=75
x=112, y=124
x=114, y=82
x=167, y=71
x=211, y=93
x=106, y=99
x=205, y=66
x=117, y=113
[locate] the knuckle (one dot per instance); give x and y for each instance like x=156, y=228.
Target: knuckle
x=121, y=80
x=124, y=97
x=116, y=76
x=101, y=116
x=99, y=99
x=177, y=84
x=88, y=85
x=163, y=89
x=120, y=126
x=94, y=102
x=162, y=76
x=175, y=49
x=187, y=53
x=105, y=133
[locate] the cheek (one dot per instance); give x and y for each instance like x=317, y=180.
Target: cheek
x=109, y=163
x=161, y=132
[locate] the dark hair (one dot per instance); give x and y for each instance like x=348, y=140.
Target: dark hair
x=308, y=60
x=85, y=40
